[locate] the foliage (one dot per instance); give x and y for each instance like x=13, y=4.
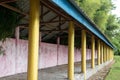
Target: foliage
x=89, y=6
x=115, y=70
x=113, y=32
x=99, y=12
x=8, y=22
x=101, y=19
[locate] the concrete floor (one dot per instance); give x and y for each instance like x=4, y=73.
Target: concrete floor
x=59, y=73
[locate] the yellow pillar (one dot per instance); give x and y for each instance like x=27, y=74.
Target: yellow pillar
x=83, y=49
x=93, y=52
x=98, y=52
x=33, y=40
x=71, y=51
x=113, y=54
x=101, y=52
x=106, y=53
x=110, y=54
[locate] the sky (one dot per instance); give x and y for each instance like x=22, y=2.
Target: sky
x=117, y=10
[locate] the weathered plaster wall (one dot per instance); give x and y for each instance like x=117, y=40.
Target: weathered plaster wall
x=7, y=61
x=21, y=56
x=16, y=56
x=47, y=55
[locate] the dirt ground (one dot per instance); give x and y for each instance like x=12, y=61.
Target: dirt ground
x=101, y=75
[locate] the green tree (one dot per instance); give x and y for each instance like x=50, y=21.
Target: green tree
x=113, y=32
x=100, y=19
x=89, y=6
x=8, y=22
x=99, y=12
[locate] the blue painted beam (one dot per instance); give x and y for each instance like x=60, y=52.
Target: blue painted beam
x=73, y=11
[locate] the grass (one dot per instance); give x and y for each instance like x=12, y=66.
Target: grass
x=114, y=73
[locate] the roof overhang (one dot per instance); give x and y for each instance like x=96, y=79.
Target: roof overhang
x=70, y=7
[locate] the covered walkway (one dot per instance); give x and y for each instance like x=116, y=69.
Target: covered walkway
x=60, y=22
x=59, y=72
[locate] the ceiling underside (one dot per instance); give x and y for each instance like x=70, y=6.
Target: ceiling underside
x=54, y=21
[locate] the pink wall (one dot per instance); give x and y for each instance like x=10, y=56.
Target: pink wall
x=16, y=56
x=47, y=55
x=21, y=56
x=7, y=62
x=62, y=55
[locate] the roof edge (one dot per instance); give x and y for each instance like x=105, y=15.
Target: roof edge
x=74, y=11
